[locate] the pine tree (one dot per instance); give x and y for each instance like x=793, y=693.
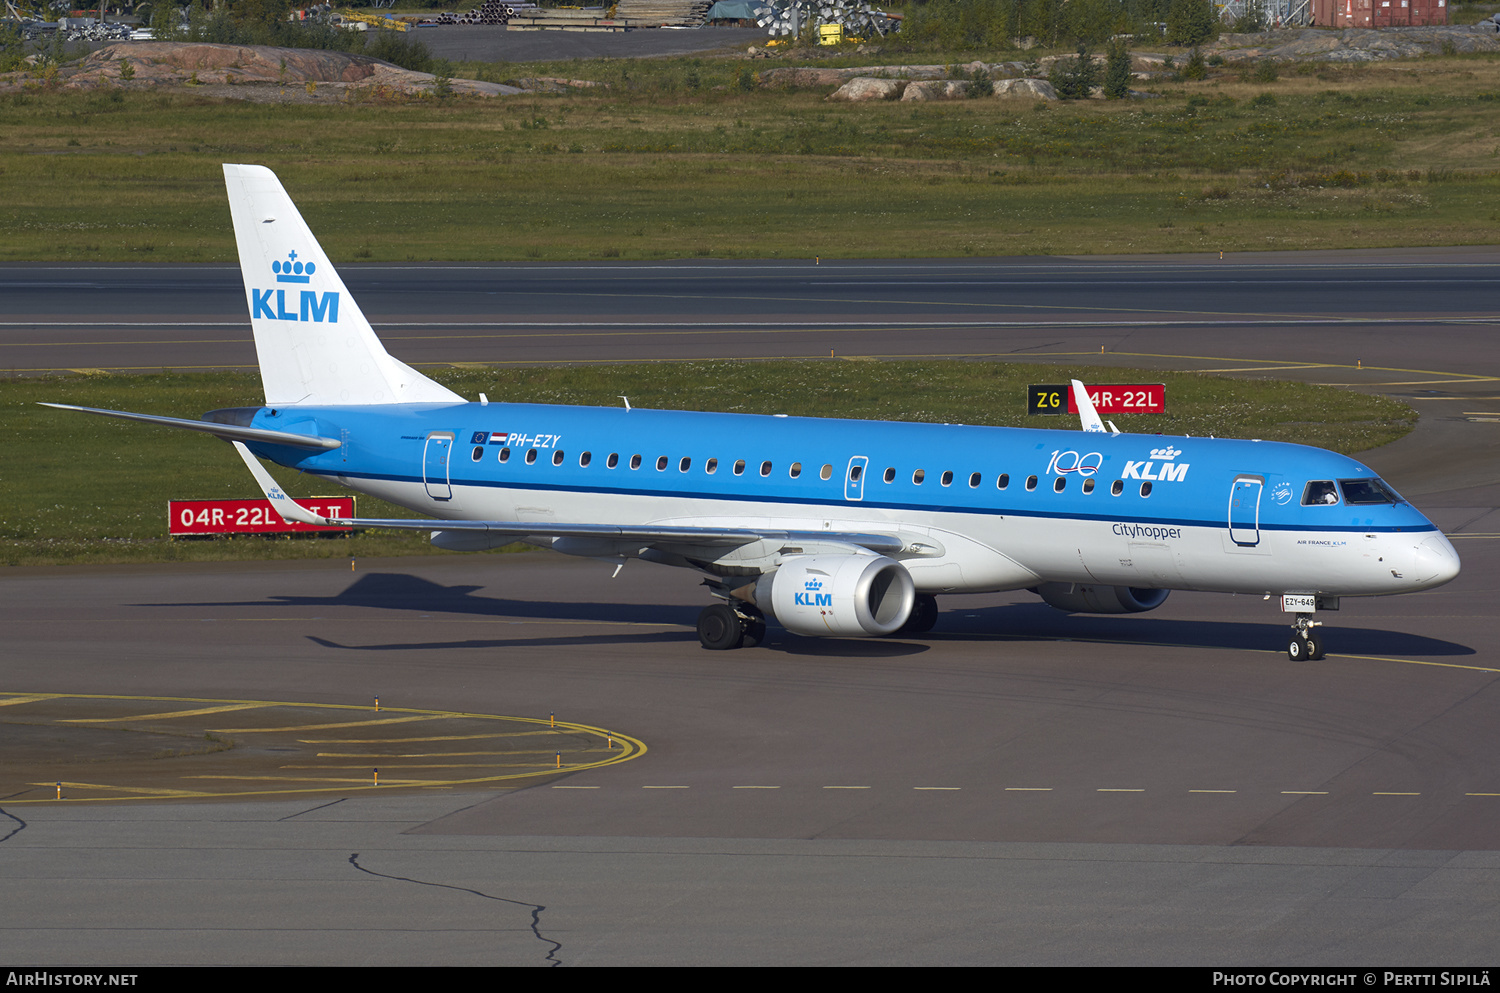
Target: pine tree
x=1117, y=72
x=1190, y=22
x=1074, y=79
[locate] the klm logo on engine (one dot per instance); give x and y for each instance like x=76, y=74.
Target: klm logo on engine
x=812, y=598
x=307, y=305
x=1169, y=472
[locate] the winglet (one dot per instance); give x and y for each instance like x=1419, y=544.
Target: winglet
x=1086, y=412
x=289, y=509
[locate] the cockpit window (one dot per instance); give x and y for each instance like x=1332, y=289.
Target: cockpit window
x=1319, y=491
x=1364, y=492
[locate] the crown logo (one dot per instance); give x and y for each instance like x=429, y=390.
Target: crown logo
x=814, y=584
x=1165, y=453
x=292, y=271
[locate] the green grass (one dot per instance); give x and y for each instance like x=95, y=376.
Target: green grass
x=675, y=160
x=81, y=489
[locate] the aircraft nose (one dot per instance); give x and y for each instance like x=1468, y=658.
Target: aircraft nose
x=1436, y=561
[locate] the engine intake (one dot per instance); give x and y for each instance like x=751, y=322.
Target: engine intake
x=1080, y=598
x=841, y=596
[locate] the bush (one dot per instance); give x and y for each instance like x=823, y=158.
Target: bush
x=1264, y=72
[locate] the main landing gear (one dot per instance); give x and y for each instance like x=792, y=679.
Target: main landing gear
x=924, y=615
x=1306, y=644
x=722, y=627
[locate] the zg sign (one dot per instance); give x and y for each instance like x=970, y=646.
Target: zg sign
x=1108, y=398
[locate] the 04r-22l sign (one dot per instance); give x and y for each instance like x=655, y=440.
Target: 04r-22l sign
x=1108, y=398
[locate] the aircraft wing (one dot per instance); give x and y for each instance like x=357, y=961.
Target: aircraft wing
x=291, y=510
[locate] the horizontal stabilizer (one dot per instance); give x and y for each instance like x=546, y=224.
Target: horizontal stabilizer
x=229, y=432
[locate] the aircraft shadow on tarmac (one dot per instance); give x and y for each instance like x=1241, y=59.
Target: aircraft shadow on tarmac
x=1025, y=621
x=1011, y=622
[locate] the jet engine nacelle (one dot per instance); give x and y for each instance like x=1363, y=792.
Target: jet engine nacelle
x=848, y=596
x=1081, y=598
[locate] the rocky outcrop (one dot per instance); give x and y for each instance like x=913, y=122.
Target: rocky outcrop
x=793, y=76
x=861, y=89
x=141, y=64
x=1035, y=89
x=864, y=88
x=1356, y=44
x=951, y=89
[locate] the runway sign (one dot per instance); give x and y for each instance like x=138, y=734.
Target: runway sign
x=1108, y=398
x=198, y=517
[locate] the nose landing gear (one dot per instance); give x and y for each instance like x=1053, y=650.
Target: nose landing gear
x=1306, y=644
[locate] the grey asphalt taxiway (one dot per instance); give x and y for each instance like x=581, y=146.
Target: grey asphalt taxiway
x=1020, y=787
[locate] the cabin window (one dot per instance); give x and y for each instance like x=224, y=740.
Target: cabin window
x=557, y=457
x=478, y=452
x=505, y=455
x=584, y=459
x=795, y=470
x=918, y=476
x=1319, y=491
x=974, y=480
x=739, y=467
x=635, y=461
x=765, y=468
x=1030, y=483
x=1367, y=492
x=613, y=460
x=1060, y=484
x=1145, y=489
x=531, y=456
x=890, y=475
x=661, y=463
x=1003, y=482
x=685, y=464
x=1088, y=485
x=855, y=471
x=1117, y=487
x=947, y=479
x=826, y=472
x=711, y=466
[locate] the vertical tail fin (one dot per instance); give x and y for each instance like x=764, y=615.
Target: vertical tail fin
x=314, y=344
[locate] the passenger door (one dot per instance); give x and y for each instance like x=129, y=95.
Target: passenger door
x=1244, y=510
x=436, y=455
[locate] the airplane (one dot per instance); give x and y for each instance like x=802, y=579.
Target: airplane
x=833, y=528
